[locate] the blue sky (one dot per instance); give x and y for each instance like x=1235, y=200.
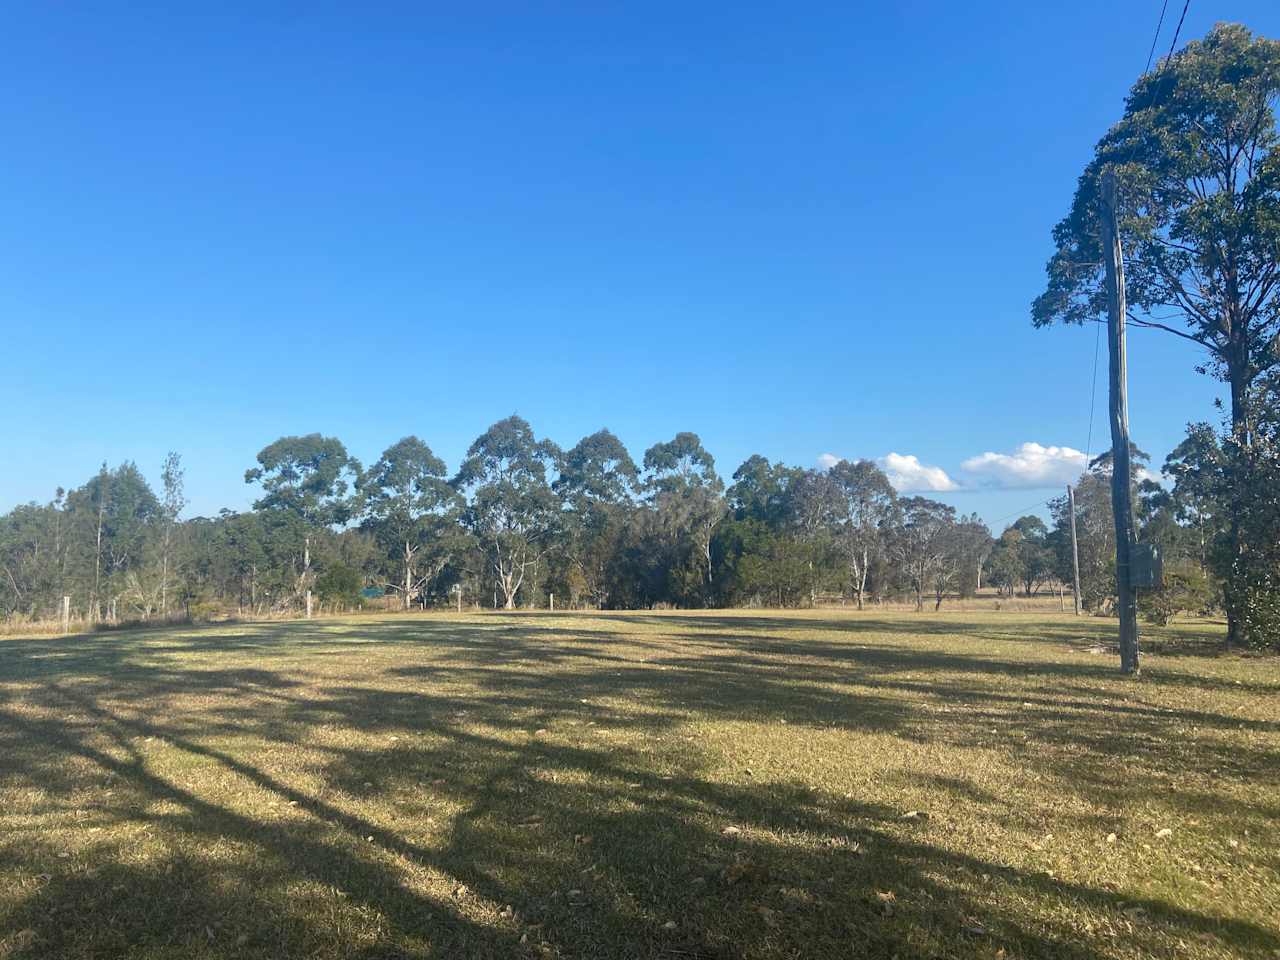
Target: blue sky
x=796, y=229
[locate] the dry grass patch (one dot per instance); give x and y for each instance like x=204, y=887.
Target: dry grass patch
x=715, y=785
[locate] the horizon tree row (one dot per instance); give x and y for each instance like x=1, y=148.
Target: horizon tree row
x=522, y=519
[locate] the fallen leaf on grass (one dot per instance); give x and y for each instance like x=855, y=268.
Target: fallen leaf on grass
x=1165, y=832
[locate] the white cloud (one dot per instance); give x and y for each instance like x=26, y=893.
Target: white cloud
x=1030, y=465
x=1143, y=473
x=908, y=474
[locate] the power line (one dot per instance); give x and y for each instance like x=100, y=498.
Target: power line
x=1163, y=8
x=1097, y=339
x=1019, y=513
x=1093, y=394
x=1179, y=29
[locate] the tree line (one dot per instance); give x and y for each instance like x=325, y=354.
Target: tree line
x=522, y=520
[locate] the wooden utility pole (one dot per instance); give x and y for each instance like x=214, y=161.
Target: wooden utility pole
x=1121, y=504
x=1075, y=549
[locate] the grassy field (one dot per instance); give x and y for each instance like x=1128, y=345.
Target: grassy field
x=718, y=785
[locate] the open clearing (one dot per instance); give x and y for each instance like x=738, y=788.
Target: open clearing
x=637, y=785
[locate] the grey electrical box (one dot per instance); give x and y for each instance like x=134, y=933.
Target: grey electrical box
x=1146, y=566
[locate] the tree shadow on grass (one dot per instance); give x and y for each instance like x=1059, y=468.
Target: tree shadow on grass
x=594, y=847
x=598, y=865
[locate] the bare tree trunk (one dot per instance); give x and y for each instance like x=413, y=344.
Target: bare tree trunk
x=164, y=577
x=306, y=572
x=408, y=573
x=1240, y=430
x=862, y=578
x=97, y=554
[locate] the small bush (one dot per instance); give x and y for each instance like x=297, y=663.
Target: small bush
x=1183, y=591
x=339, y=585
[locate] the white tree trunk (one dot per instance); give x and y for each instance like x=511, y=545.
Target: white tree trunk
x=306, y=572
x=408, y=573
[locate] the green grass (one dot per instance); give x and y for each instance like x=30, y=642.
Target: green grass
x=714, y=785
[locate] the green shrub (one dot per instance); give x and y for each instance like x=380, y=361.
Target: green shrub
x=1183, y=591
x=339, y=585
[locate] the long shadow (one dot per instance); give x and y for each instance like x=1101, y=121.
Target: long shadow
x=639, y=831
